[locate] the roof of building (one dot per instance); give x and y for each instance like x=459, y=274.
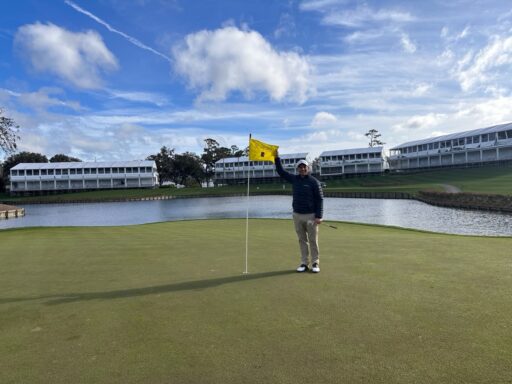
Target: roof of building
x=86, y=164
x=458, y=135
x=352, y=151
x=245, y=158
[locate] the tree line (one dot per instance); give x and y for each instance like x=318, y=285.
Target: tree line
x=185, y=168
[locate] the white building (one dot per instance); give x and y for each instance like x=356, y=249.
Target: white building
x=491, y=144
x=79, y=176
x=352, y=161
x=235, y=170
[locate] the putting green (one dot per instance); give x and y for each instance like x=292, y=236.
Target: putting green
x=168, y=303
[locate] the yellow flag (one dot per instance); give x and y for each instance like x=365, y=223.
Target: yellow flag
x=260, y=151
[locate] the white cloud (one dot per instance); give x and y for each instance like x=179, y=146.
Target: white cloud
x=363, y=15
x=363, y=36
x=319, y=5
x=420, y=122
x=286, y=26
x=77, y=58
x=445, y=34
x=140, y=97
x=227, y=60
x=421, y=89
x=483, y=68
x=407, y=44
x=490, y=112
x=324, y=119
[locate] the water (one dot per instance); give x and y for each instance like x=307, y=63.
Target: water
x=401, y=213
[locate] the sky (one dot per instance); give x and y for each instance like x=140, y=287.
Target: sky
x=118, y=79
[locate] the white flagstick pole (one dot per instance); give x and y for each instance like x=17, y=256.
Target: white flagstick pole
x=247, y=213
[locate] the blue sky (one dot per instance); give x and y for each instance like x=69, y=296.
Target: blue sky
x=116, y=79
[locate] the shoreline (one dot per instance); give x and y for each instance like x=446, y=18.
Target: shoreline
x=460, y=200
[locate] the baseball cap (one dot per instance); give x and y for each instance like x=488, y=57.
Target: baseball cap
x=300, y=162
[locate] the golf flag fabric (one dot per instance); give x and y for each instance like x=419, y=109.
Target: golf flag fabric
x=260, y=151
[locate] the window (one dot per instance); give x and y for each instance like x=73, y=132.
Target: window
x=36, y=172
x=436, y=145
x=72, y=171
x=101, y=170
x=492, y=136
x=87, y=171
x=79, y=171
x=107, y=170
x=476, y=139
x=502, y=135
x=58, y=171
x=93, y=171
x=469, y=140
x=485, y=138
x=51, y=172
x=509, y=134
x=65, y=171
x=21, y=172
x=14, y=172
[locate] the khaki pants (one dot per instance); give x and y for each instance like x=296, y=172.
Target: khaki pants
x=307, y=232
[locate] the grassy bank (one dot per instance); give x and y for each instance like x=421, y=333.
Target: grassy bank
x=168, y=303
x=490, y=180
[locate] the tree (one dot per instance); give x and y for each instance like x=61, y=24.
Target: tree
x=187, y=166
x=213, y=152
x=374, y=135
x=164, y=164
x=8, y=133
x=236, y=152
x=22, y=157
x=60, y=158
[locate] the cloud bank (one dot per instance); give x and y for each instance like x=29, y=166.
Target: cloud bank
x=228, y=60
x=76, y=58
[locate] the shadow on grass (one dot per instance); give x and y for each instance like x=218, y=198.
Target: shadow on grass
x=134, y=292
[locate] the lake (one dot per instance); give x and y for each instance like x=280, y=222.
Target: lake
x=400, y=213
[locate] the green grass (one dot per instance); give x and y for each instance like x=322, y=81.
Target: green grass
x=168, y=303
x=491, y=179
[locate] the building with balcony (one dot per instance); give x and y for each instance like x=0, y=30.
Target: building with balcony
x=236, y=170
x=352, y=161
x=34, y=178
x=469, y=148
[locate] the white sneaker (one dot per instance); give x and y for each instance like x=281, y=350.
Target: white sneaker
x=302, y=268
x=316, y=268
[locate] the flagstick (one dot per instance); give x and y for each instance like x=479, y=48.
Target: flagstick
x=247, y=215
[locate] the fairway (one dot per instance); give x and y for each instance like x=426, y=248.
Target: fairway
x=168, y=303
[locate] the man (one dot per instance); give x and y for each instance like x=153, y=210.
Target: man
x=307, y=205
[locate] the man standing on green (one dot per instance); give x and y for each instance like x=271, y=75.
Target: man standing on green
x=307, y=205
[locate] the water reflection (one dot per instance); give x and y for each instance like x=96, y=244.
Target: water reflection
x=401, y=213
